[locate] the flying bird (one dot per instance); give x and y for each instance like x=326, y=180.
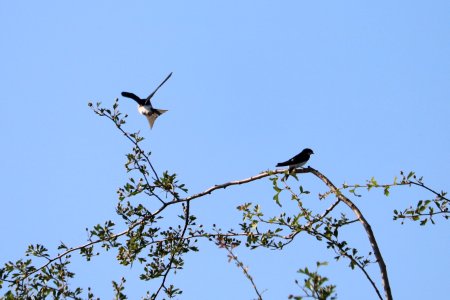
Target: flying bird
x=145, y=106
x=297, y=161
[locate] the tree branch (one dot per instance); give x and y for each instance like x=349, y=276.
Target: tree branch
x=239, y=182
x=367, y=227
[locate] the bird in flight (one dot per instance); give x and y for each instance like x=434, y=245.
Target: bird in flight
x=145, y=106
x=297, y=161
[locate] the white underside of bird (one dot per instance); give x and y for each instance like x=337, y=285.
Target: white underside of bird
x=150, y=113
x=297, y=165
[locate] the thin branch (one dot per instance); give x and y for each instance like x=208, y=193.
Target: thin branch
x=429, y=189
x=240, y=265
x=314, y=220
x=411, y=217
x=327, y=211
x=388, y=185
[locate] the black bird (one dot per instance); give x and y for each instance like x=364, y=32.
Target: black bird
x=145, y=106
x=297, y=161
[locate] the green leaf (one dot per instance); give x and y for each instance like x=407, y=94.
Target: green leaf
x=276, y=198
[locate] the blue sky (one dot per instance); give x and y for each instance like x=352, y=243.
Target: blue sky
x=364, y=84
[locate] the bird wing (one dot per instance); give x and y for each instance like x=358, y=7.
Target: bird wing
x=284, y=163
x=152, y=116
x=299, y=159
x=134, y=97
x=147, y=101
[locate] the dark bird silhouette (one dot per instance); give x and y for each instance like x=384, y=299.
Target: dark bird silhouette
x=145, y=105
x=297, y=161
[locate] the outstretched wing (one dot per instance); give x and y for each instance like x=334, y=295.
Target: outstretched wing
x=152, y=116
x=160, y=85
x=134, y=97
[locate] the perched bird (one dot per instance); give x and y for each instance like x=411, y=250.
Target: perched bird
x=145, y=106
x=297, y=161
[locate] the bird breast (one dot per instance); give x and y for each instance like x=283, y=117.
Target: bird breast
x=298, y=165
x=144, y=109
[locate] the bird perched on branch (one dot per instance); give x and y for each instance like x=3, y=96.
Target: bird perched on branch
x=145, y=106
x=297, y=161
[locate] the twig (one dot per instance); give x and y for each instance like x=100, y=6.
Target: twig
x=429, y=189
x=240, y=265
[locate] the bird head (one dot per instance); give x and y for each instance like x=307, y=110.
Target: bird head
x=308, y=151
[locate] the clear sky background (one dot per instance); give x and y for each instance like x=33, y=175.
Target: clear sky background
x=364, y=84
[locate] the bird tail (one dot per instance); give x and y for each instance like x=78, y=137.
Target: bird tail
x=154, y=115
x=160, y=111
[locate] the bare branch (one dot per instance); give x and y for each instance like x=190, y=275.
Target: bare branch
x=239, y=182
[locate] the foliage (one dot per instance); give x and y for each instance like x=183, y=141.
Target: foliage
x=159, y=250
x=314, y=285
